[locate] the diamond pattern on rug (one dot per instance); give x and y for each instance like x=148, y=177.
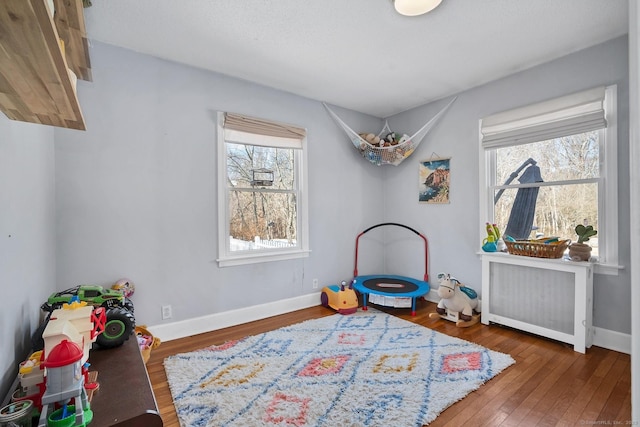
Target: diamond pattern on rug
x=461, y=362
x=324, y=366
x=287, y=409
x=365, y=369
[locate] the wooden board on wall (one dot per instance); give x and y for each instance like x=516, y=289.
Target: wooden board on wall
x=69, y=20
x=35, y=85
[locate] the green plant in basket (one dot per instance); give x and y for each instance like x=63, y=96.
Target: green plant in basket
x=580, y=251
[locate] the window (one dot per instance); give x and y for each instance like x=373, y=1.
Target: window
x=261, y=191
x=547, y=167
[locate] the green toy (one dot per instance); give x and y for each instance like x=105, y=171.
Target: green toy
x=92, y=294
x=585, y=232
x=119, y=311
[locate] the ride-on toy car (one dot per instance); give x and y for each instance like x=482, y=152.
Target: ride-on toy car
x=342, y=299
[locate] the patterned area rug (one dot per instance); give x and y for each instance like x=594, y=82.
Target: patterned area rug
x=364, y=369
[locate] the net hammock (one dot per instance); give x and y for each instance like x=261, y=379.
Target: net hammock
x=392, y=149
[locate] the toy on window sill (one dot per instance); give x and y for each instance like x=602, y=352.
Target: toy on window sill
x=341, y=298
x=458, y=303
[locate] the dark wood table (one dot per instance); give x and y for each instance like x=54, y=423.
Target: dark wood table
x=125, y=397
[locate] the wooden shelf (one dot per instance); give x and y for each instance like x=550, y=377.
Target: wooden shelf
x=69, y=20
x=35, y=85
x=125, y=397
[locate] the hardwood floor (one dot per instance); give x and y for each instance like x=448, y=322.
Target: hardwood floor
x=549, y=385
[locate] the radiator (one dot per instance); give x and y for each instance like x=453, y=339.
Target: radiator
x=551, y=298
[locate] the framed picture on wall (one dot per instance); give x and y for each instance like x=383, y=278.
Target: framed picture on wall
x=434, y=180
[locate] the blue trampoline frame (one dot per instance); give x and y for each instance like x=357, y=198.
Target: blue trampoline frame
x=423, y=286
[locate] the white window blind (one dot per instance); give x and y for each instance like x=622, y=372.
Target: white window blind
x=567, y=115
x=250, y=130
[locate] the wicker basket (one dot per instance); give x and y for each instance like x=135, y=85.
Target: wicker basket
x=537, y=248
x=142, y=331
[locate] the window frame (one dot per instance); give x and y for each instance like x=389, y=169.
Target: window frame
x=607, y=262
x=226, y=257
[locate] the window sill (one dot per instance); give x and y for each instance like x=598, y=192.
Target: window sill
x=244, y=259
x=608, y=269
x=598, y=268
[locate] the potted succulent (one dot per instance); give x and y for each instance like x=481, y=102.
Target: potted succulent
x=580, y=251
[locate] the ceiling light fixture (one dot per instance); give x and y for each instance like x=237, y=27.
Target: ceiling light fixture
x=415, y=7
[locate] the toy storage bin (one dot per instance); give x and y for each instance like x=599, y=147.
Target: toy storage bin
x=146, y=341
x=17, y=414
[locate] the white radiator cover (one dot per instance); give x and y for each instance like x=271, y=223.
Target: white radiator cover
x=533, y=295
x=552, y=298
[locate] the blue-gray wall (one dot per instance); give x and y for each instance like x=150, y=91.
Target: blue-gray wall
x=453, y=228
x=27, y=237
x=136, y=194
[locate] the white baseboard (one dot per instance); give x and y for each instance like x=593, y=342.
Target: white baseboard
x=432, y=296
x=213, y=322
x=604, y=338
x=612, y=340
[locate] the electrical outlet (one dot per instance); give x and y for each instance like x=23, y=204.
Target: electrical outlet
x=166, y=312
x=315, y=283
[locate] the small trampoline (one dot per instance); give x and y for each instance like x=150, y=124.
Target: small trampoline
x=391, y=286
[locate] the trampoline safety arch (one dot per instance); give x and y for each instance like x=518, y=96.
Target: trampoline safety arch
x=392, y=285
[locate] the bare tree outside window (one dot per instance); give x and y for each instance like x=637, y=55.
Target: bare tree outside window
x=570, y=169
x=262, y=213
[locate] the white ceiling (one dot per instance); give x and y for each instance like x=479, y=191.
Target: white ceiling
x=358, y=54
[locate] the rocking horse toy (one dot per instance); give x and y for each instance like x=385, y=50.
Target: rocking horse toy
x=458, y=303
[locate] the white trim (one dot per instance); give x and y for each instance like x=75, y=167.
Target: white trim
x=607, y=269
x=612, y=340
x=301, y=181
x=226, y=258
x=608, y=189
x=634, y=190
x=487, y=168
x=432, y=296
x=548, y=183
x=222, y=199
x=216, y=321
x=257, y=257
